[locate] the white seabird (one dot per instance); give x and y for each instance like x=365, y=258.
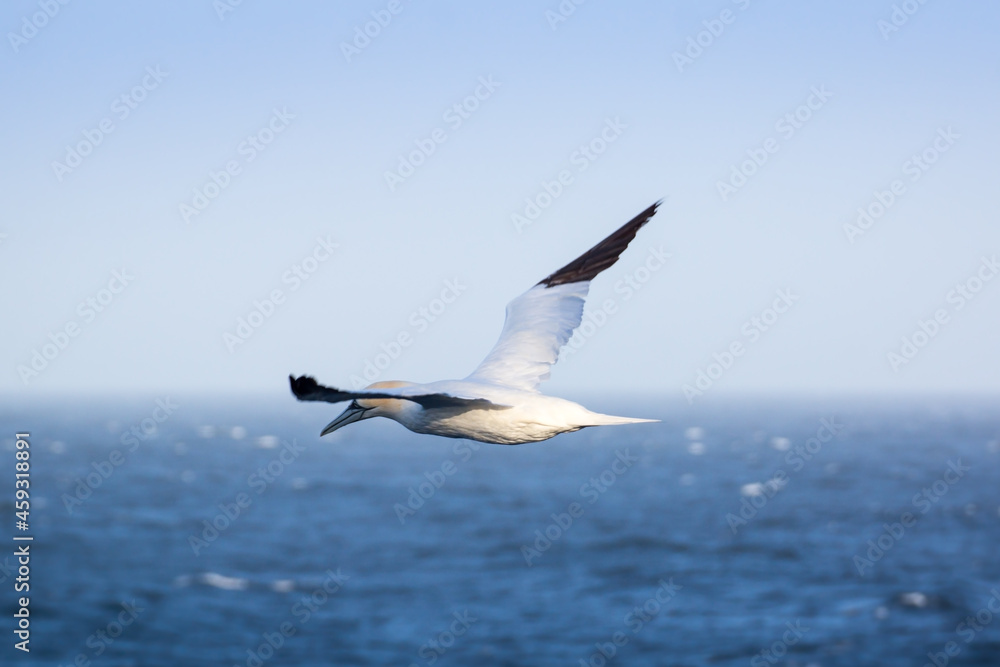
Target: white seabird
x=499, y=402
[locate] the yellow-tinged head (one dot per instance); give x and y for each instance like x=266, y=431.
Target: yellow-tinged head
x=366, y=408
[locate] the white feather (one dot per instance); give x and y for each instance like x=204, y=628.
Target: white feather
x=538, y=324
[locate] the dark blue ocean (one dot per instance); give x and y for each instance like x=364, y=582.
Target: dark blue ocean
x=201, y=532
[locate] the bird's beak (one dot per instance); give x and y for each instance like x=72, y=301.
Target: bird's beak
x=353, y=413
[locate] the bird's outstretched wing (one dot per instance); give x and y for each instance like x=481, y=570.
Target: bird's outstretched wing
x=306, y=388
x=542, y=320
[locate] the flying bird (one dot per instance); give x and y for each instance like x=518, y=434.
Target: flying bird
x=499, y=402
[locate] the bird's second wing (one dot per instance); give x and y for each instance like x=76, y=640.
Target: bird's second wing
x=306, y=388
x=542, y=320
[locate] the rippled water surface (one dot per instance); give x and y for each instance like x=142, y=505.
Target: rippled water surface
x=718, y=537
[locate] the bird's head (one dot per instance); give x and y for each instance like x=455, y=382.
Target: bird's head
x=366, y=408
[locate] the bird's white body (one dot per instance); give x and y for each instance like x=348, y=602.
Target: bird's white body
x=499, y=402
x=531, y=416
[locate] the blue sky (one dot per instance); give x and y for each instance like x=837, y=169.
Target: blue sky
x=309, y=134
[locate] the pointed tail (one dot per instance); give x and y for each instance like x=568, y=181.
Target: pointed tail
x=598, y=419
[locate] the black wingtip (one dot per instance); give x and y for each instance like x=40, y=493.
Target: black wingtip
x=302, y=385
x=604, y=254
